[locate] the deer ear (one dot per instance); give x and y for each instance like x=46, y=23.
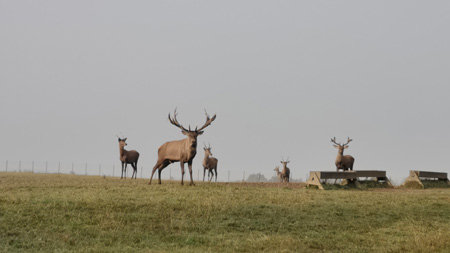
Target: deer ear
x=125, y=139
x=346, y=147
x=336, y=146
x=200, y=132
x=184, y=132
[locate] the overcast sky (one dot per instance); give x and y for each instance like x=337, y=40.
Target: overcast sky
x=283, y=77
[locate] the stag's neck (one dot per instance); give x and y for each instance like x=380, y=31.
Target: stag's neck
x=191, y=147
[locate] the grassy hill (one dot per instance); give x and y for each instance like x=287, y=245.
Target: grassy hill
x=40, y=212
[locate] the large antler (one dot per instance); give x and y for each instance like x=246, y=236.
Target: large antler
x=348, y=141
x=207, y=123
x=334, y=141
x=174, y=121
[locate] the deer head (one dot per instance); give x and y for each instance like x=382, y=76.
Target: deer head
x=339, y=146
x=122, y=141
x=285, y=162
x=207, y=149
x=191, y=134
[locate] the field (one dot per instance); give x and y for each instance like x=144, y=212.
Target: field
x=41, y=212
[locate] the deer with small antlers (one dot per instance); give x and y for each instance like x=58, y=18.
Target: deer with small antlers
x=209, y=163
x=286, y=172
x=127, y=157
x=182, y=151
x=343, y=162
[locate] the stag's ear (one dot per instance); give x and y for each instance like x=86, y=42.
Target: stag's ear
x=119, y=139
x=336, y=146
x=346, y=147
x=125, y=139
x=199, y=132
x=184, y=132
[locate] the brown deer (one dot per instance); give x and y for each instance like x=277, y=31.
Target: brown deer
x=343, y=162
x=127, y=157
x=279, y=175
x=209, y=163
x=182, y=151
x=285, y=173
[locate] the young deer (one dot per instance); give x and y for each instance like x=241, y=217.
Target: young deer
x=279, y=175
x=343, y=162
x=182, y=151
x=209, y=163
x=127, y=157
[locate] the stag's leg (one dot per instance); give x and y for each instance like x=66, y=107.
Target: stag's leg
x=121, y=175
x=165, y=164
x=190, y=172
x=158, y=163
x=204, y=171
x=182, y=172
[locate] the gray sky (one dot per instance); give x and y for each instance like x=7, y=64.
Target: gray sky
x=283, y=77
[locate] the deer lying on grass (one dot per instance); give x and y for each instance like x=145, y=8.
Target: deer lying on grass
x=127, y=157
x=209, y=163
x=182, y=151
x=285, y=173
x=343, y=162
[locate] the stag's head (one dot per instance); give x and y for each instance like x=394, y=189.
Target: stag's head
x=339, y=146
x=191, y=134
x=207, y=150
x=277, y=169
x=284, y=162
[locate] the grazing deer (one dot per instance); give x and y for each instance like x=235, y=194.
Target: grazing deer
x=285, y=173
x=209, y=163
x=127, y=157
x=343, y=162
x=182, y=151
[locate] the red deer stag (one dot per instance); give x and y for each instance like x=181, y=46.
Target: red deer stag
x=343, y=162
x=285, y=173
x=127, y=157
x=209, y=163
x=182, y=151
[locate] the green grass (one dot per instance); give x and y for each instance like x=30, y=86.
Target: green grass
x=79, y=213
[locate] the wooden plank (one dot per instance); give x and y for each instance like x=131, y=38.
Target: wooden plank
x=431, y=174
x=371, y=173
x=337, y=175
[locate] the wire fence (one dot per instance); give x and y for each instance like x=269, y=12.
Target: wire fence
x=115, y=170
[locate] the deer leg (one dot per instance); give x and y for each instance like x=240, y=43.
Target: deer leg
x=121, y=175
x=153, y=171
x=134, y=170
x=182, y=172
x=215, y=170
x=204, y=171
x=190, y=172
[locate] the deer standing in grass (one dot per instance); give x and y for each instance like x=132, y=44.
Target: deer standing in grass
x=343, y=162
x=286, y=172
x=182, y=151
x=127, y=157
x=209, y=163
x=279, y=175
